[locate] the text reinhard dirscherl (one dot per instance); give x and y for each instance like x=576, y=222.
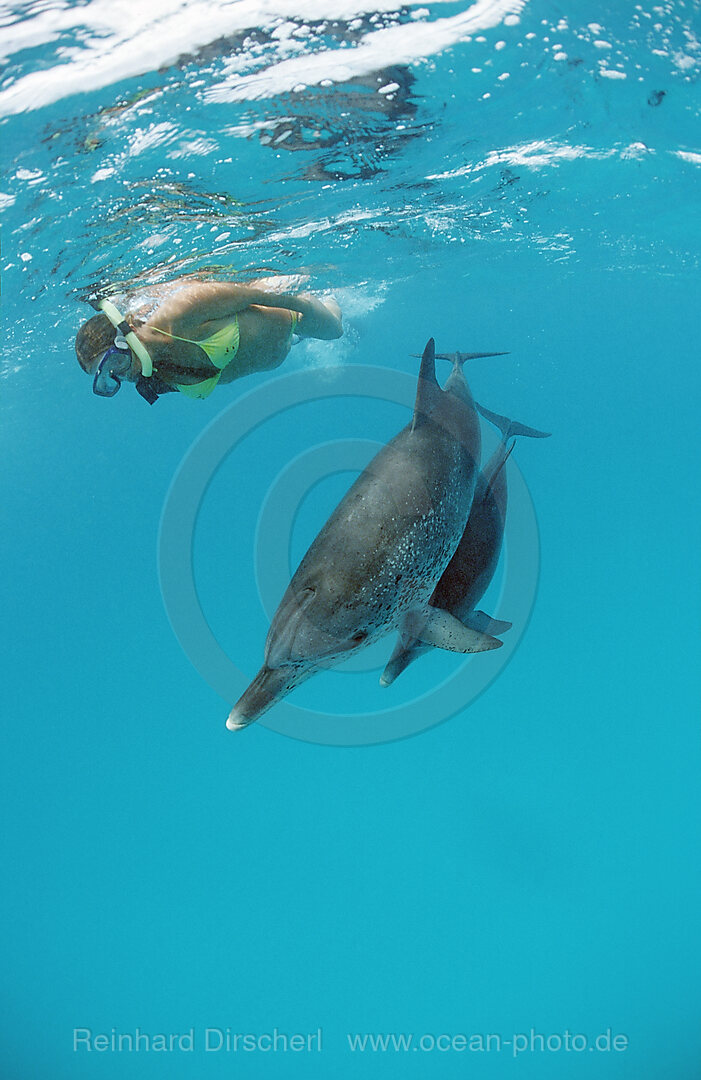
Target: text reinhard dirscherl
x=209, y=1040
x=213, y=1040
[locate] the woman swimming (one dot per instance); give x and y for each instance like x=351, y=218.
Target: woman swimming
x=190, y=335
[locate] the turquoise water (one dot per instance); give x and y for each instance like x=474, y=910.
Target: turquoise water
x=529, y=866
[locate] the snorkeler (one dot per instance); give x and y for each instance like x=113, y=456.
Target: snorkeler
x=190, y=335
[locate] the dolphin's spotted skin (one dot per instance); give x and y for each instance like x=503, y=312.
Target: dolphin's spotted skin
x=406, y=575
x=383, y=550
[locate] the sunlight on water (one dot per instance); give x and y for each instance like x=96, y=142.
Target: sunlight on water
x=245, y=134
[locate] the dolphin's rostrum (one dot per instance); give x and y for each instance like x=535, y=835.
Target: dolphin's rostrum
x=379, y=557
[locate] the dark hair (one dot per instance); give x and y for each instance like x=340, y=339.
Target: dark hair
x=93, y=338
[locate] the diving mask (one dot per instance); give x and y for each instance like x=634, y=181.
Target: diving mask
x=127, y=339
x=114, y=366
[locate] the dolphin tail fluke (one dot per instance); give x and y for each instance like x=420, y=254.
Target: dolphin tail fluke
x=442, y=630
x=510, y=428
x=268, y=687
x=461, y=357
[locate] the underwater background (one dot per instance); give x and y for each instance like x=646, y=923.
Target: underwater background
x=507, y=175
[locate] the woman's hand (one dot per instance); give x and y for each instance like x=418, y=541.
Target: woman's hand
x=320, y=318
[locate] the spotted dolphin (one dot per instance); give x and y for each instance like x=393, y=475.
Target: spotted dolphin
x=472, y=566
x=380, y=555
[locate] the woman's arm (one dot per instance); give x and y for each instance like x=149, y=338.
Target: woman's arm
x=202, y=302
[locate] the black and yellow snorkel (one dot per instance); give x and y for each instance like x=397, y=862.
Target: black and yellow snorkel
x=127, y=334
x=116, y=361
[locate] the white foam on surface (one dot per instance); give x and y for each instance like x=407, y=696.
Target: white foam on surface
x=401, y=44
x=537, y=154
x=112, y=35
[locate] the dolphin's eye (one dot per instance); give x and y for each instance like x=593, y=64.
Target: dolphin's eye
x=360, y=636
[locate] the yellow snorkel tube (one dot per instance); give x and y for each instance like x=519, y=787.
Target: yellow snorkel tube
x=122, y=327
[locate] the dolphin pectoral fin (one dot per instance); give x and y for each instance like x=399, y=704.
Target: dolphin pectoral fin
x=405, y=652
x=396, y=664
x=441, y=629
x=479, y=620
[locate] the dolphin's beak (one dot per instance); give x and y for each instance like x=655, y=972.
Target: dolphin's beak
x=268, y=687
x=236, y=722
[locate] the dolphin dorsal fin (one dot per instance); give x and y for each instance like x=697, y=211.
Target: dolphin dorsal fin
x=427, y=388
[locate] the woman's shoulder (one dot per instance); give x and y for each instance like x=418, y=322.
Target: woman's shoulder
x=146, y=302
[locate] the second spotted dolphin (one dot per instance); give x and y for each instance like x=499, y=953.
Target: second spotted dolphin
x=474, y=562
x=378, y=558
